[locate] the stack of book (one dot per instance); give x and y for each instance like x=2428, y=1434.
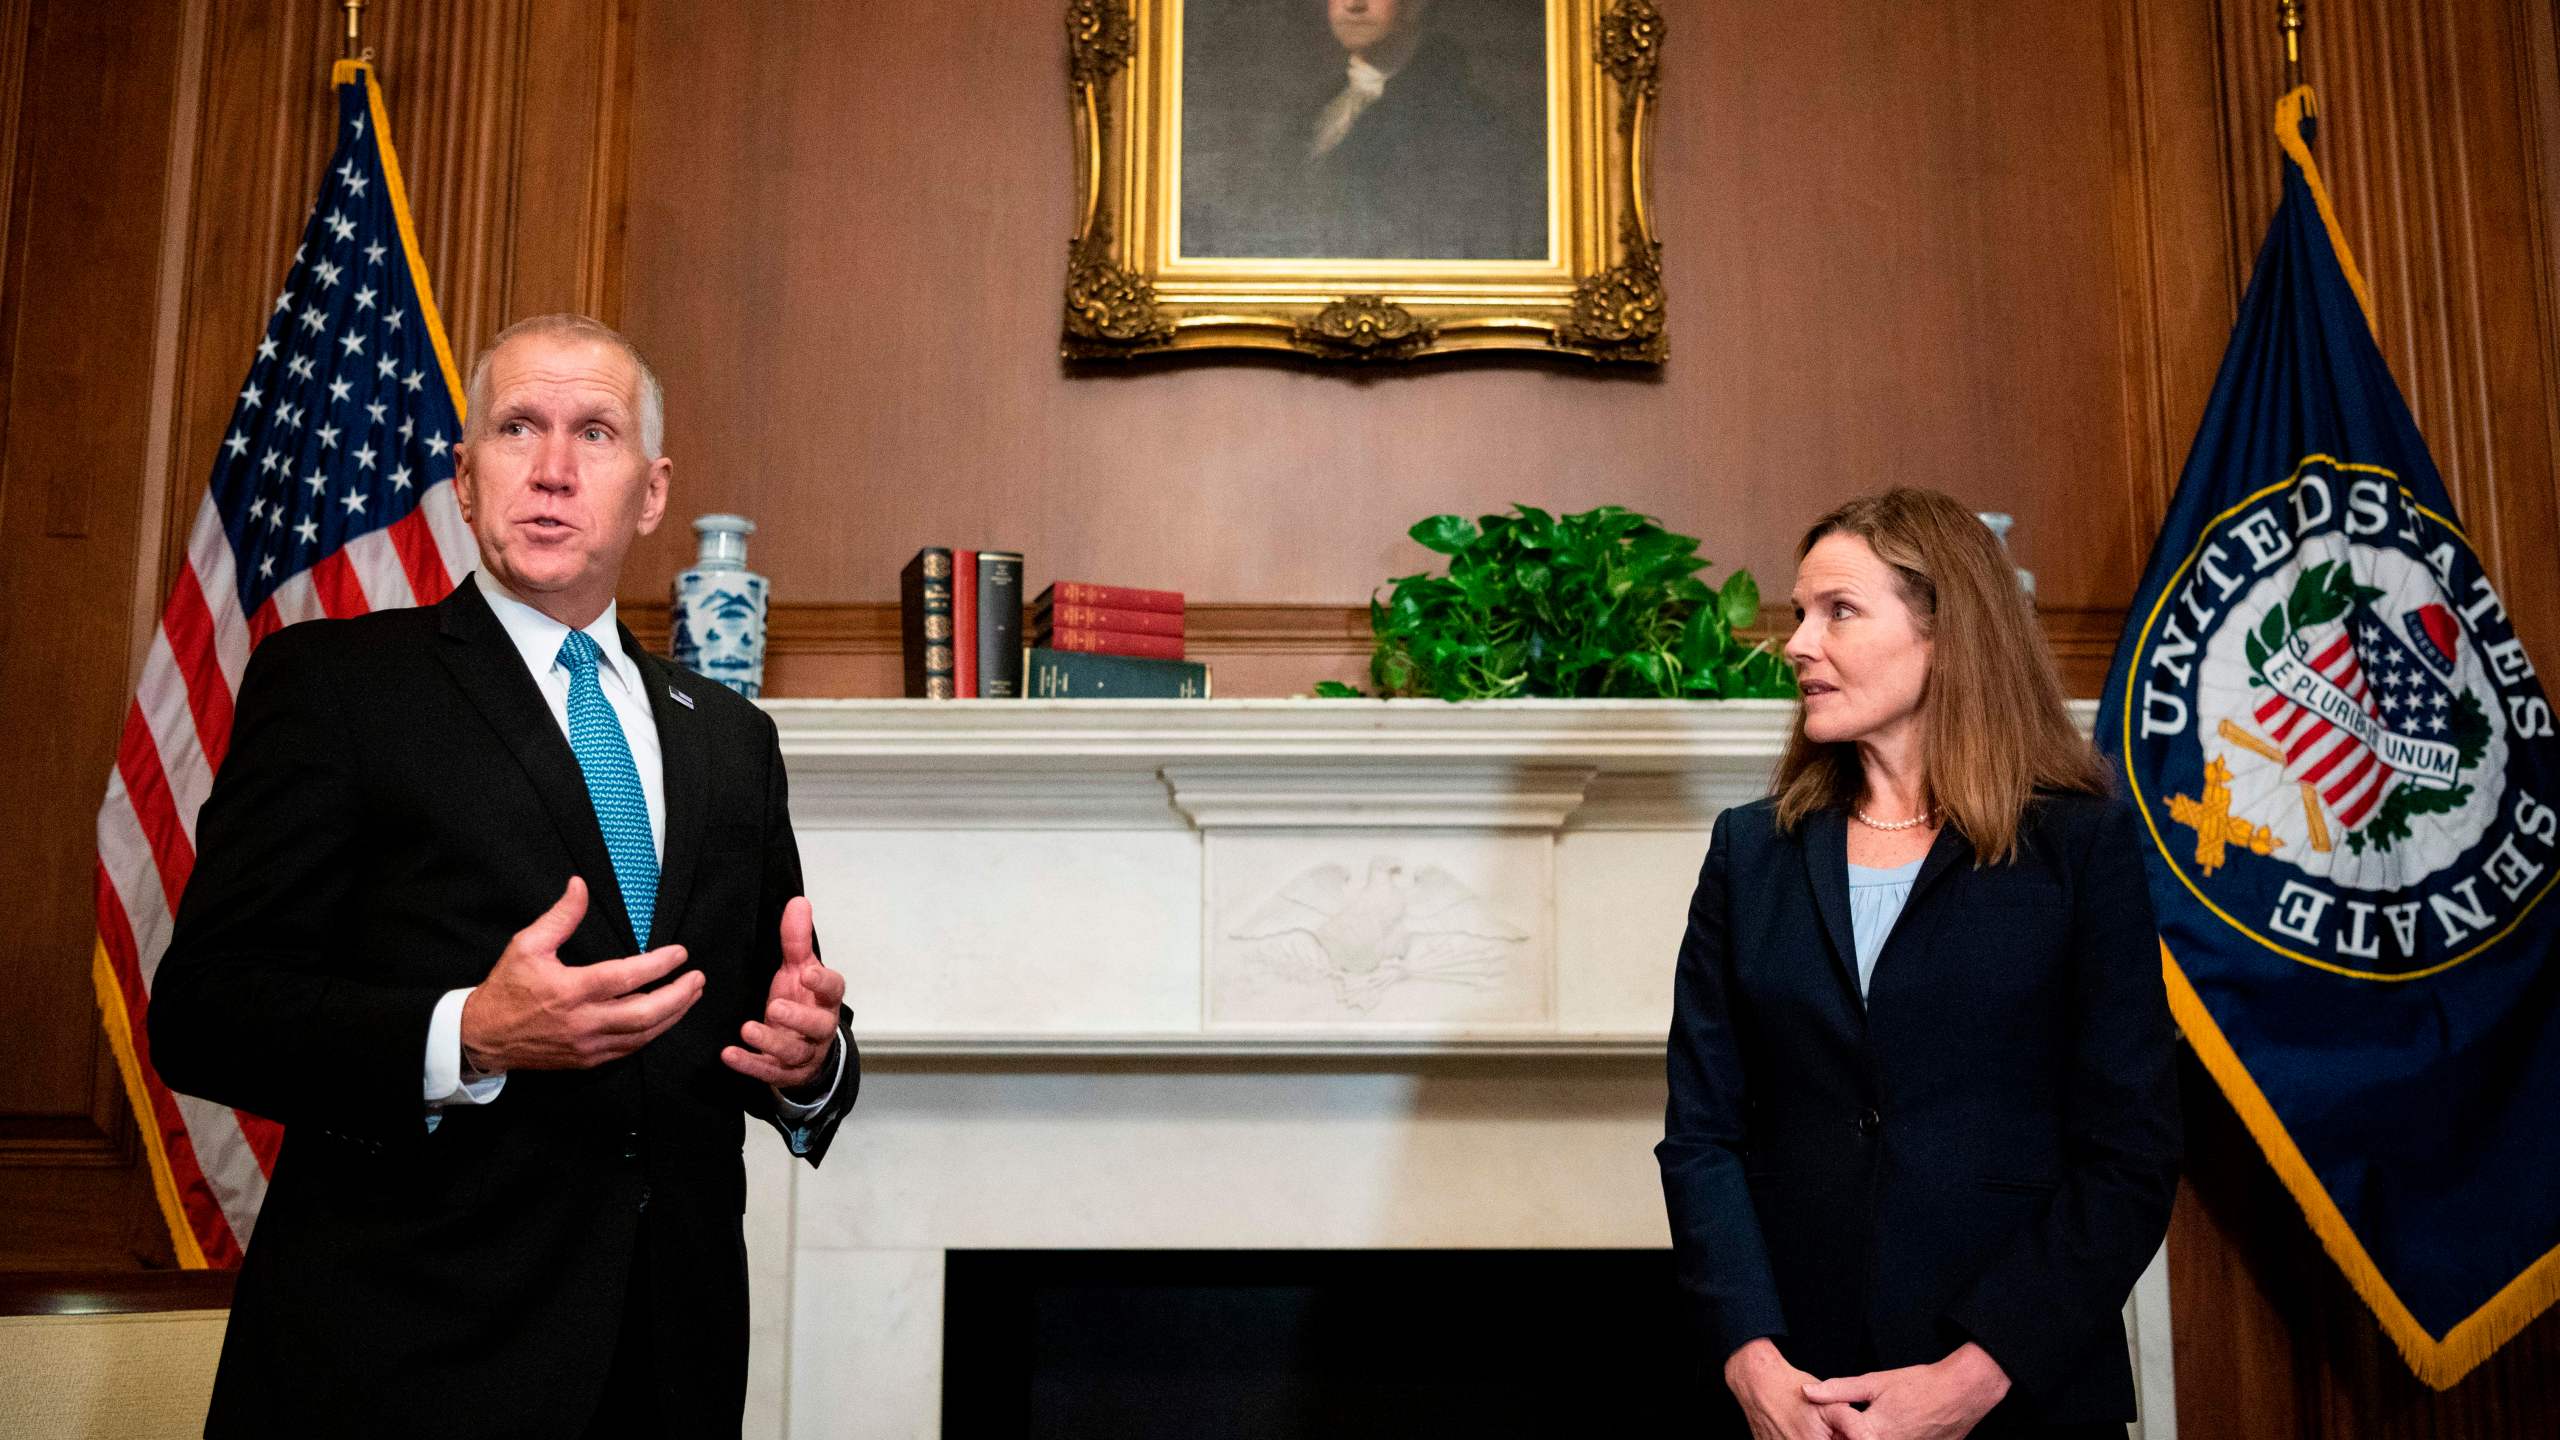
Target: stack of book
x=962, y=623
x=1108, y=620
x=1110, y=642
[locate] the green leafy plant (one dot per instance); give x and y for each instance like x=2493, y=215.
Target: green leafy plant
x=1606, y=603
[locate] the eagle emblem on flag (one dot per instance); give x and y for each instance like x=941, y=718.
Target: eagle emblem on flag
x=2347, y=728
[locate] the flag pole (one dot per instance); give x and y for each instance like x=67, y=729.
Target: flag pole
x=2289, y=24
x=355, y=28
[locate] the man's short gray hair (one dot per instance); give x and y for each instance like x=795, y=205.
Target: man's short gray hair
x=653, y=396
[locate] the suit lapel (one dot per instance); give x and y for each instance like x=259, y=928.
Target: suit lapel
x=1949, y=849
x=1826, y=862
x=1944, y=852
x=683, y=759
x=489, y=669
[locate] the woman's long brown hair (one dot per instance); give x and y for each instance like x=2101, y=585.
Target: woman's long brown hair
x=1994, y=728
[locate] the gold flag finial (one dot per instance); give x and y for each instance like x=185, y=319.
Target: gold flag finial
x=2289, y=21
x=355, y=28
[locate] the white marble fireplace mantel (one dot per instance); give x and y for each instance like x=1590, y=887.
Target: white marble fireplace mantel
x=1142, y=975
x=1263, y=875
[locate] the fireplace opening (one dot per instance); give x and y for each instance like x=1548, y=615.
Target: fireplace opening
x=1139, y=1344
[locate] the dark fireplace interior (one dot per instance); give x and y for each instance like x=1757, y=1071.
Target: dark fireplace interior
x=1138, y=1344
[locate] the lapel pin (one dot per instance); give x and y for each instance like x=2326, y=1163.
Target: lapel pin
x=679, y=697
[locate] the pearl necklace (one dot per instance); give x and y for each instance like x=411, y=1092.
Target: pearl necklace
x=1873, y=823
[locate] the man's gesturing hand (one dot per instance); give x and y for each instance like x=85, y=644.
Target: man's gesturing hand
x=787, y=1047
x=534, y=1013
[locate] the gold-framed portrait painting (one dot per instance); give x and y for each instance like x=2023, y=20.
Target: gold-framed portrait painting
x=1364, y=179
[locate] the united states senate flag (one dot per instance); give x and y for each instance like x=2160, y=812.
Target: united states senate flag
x=2351, y=778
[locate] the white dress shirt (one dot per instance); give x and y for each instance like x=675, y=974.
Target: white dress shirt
x=538, y=638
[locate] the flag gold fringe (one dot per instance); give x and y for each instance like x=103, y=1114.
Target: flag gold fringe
x=146, y=1116
x=2438, y=1362
x=2290, y=112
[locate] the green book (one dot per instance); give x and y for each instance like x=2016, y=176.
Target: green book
x=1073, y=675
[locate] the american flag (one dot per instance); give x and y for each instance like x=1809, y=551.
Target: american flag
x=331, y=495
x=2364, y=657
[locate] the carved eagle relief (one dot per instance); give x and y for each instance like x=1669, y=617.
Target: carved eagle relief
x=1365, y=935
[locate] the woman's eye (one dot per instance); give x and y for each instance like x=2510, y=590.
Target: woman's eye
x=1842, y=611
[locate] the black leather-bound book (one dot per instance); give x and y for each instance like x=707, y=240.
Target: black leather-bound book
x=1000, y=624
x=924, y=613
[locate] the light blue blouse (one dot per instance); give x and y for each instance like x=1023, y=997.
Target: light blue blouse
x=1875, y=901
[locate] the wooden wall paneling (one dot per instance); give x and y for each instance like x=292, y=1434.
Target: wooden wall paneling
x=2233, y=1262
x=16, y=20
x=159, y=513
x=92, y=130
x=2537, y=59
x=2515, y=324
x=454, y=77
x=266, y=131
x=2180, y=266
x=512, y=118
x=2252, y=80
x=566, y=252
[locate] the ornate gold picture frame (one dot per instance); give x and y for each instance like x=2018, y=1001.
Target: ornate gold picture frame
x=1215, y=145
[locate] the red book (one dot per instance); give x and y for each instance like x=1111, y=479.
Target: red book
x=1127, y=622
x=964, y=624
x=1114, y=642
x=1110, y=597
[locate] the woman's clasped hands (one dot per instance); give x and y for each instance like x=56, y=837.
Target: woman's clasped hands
x=1941, y=1401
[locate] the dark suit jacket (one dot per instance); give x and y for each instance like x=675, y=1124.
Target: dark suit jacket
x=397, y=802
x=1986, y=1149
x=1432, y=169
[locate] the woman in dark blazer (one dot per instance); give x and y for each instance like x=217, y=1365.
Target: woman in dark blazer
x=1923, y=1126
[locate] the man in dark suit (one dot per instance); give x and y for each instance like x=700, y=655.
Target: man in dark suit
x=502, y=918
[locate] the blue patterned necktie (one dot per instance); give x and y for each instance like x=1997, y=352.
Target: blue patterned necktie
x=613, y=784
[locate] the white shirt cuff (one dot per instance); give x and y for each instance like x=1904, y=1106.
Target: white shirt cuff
x=790, y=1109
x=447, y=1081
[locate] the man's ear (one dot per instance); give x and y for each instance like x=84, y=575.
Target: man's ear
x=662, y=473
x=463, y=486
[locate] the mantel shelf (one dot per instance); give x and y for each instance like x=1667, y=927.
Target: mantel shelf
x=830, y=732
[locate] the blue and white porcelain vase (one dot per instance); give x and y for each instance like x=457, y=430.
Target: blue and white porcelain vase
x=719, y=608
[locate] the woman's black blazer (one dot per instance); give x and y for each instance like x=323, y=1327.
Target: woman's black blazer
x=1985, y=1149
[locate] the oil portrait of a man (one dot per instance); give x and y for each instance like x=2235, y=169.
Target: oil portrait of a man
x=1364, y=129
